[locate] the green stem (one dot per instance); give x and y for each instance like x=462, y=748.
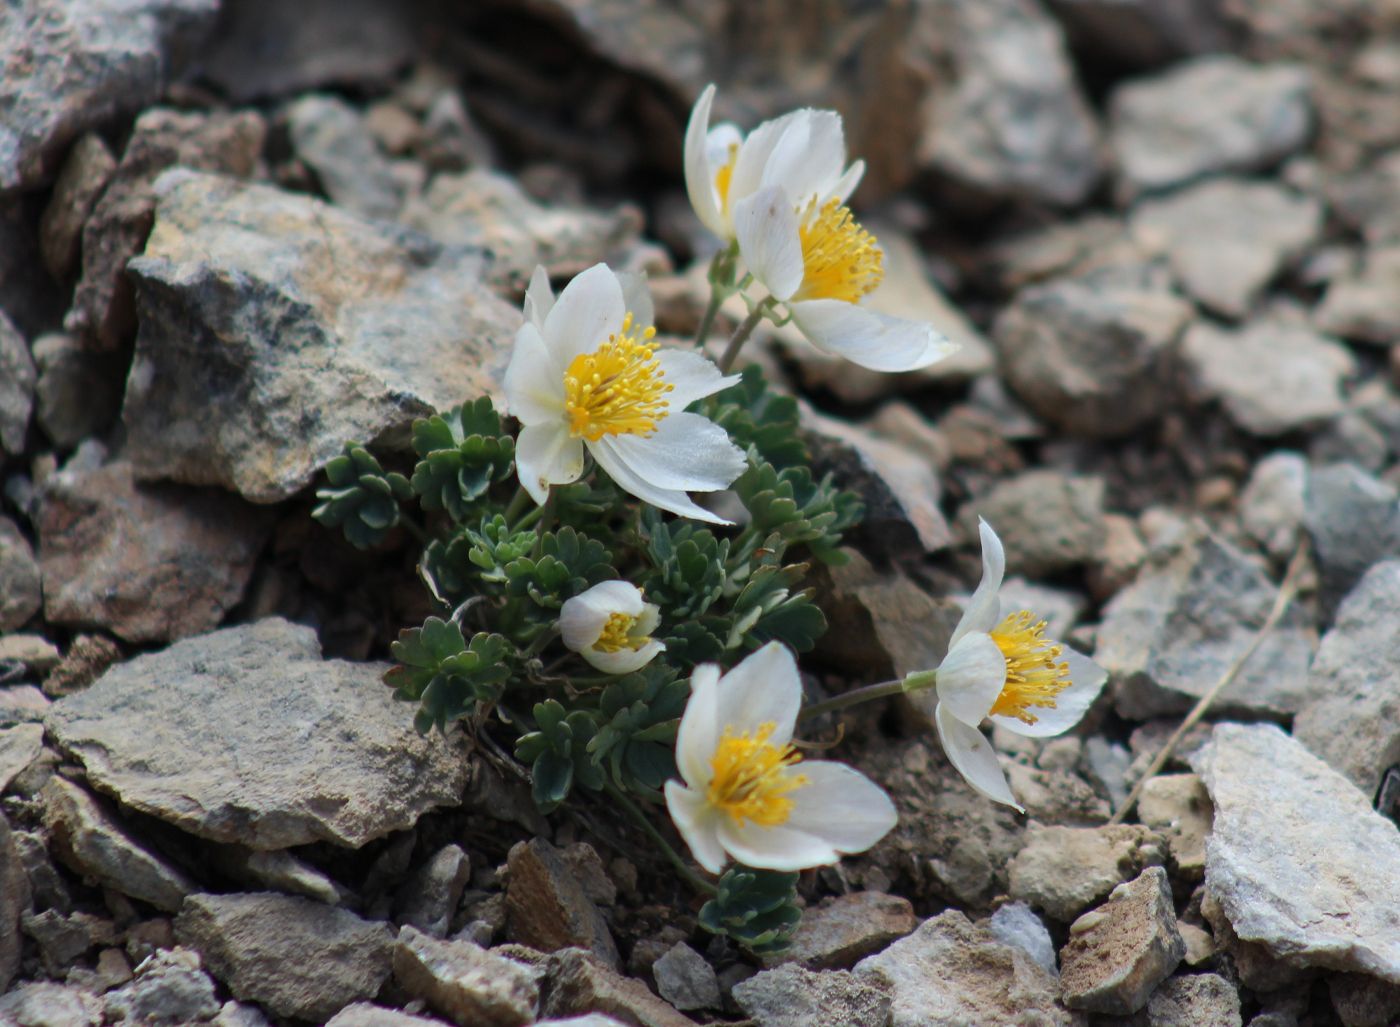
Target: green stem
x=854, y=697
x=517, y=503
x=741, y=335
x=708, y=320
x=696, y=881
x=414, y=529
x=545, y=514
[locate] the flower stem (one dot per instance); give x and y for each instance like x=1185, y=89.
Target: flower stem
x=741, y=335
x=517, y=504
x=413, y=529
x=696, y=881
x=546, y=520
x=708, y=320
x=854, y=697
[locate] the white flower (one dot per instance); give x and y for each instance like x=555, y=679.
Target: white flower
x=610, y=626
x=585, y=375
x=747, y=792
x=1005, y=669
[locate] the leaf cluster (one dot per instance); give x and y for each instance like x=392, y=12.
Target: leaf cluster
x=757, y=908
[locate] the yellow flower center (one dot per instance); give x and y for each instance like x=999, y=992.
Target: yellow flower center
x=752, y=777
x=840, y=259
x=723, y=175
x=1034, y=673
x=615, y=634
x=617, y=389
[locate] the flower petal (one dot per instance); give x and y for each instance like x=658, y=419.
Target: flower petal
x=983, y=610
x=848, y=182
x=698, y=822
x=870, y=339
x=762, y=688
x=766, y=227
x=587, y=312
x=774, y=848
x=648, y=619
x=699, y=174
x=841, y=806
x=691, y=377
x=674, y=500
x=636, y=298
x=970, y=678
x=807, y=159
x=624, y=661
x=539, y=298
x=687, y=452
x=1086, y=682
x=973, y=757
x=545, y=455
x=700, y=730
x=582, y=617
x=534, y=387
x=756, y=150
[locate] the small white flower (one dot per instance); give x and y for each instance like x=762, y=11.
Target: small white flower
x=585, y=375
x=747, y=793
x=1005, y=669
x=610, y=626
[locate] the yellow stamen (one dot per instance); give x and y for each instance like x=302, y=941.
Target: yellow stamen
x=751, y=777
x=723, y=176
x=615, y=634
x=617, y=389
x=1034, y=672
x=840, y=259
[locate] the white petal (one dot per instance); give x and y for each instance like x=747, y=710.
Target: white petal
x=691, y=377
x=973, y=757
x=648, y=619
x=674, y=500
x=582, y=618
x=588, y=311
x=870, y=339
x=687, y=452
x=546, y=455
x=700, y=730
x=848, y=182
x=767, y=230
x=533, y=385
x=624, y=661
x=762, y=688
x=774, y=848
x=808, y=159
x=1086, y=682
x=970, y=678
x=699, y=175
x=757, y=148
x=636, y=298
x=841, y=806
x=539, y=298
x=719, y=142
x=983, y=611
x=697, y=822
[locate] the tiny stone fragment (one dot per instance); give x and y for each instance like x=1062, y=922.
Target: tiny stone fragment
x=686, y=979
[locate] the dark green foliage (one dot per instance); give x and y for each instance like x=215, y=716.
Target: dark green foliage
x=461, y=454
x=568, y=563
x=360, y=498
x=446, y=674
x=558, y=753
x=759, y=419
x=637, y=717
x=790, y=505
x=757, y=908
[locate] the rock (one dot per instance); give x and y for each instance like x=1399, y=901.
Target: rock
x=88, y=838
x=579, y=983
x=17, y=378
x=485, y=210
x=20, y=595
x=148, y=562
x=1015, y=924
x=75, y=67
x=547, y=907
x=1352, y=719
x=1093, y=354
x=1273, y=376
x=1195, y=1000
x=1120, y=557
x=1117, y=954
x=1065, y=870
x=1167, y=638
x=1365, y=307
x=1177, y=806
x=1354, y=522
x=78, y=392
x=1364, y=1001
x=1207, y=116
x=793, y=997
x=44, y=1004
x=278, y=871
x=464, y=982
x=121, y=220
x=172, y=734
x=429, y=899
x=1297, y=859
x=332, y=138
x=14, y=900
x=237, y=1014
x=1142, y=33
x=395, y=328
x=1048, y=521
x=65, y=939
x=19, y=746
x=587, y=867
x=366, y=1014
x=86, y=171
x=1365, y=200
x=1014, y=125
x=34, y=652
x=1228, y=238
x=1200, y=946
x=845, y=928
x=87, y=659
x=1271, y=506
x=1049, y=796
x=169, y=987
x=952, y=971
x=296, y=957
x=22, y=704
x=451, y=140
x=686, y=980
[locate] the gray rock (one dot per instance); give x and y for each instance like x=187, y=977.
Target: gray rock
x=952, y=972
x=86, y=171
x=20, y=745
x=1352, y=719
x=1207, y=116
x=78, y=392
x=274, y=329
x=686, y=979
x=17, y=378
x=44, y=1004
x=73, y=67
x=580, y=983
x=168, y=988
x=366, y=1014
x=464, y=982
x=1017, y=925
x=428, y=900
x=1353, y=438
x=1273, y=376
x=547, y=907
x=1143, y=33
x=1093, y=354
x=88, y=838
x=1167, y=638
x=1117, y=954
x=148, y=562
x=1354, y=522
x=1297, y=859
x=277, y=870
x=14, y=900
x=20, y=595
x=1048, y=521
x=1362, y=1001
x=28, y=294
x=1366, y=200
x=1227, y=239
x=331, y=138
x=1195, y=1000
x=1178, y=806
x=296, y=957
x=238, y=1014
x=1014, y=125
x=1271, y=505
x=1365, y=307
x=845, y=928
x=173, y=734
x=793, y=997
x=1065, y=870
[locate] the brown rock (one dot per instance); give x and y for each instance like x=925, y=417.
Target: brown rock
x=19, y=577
x=1048, y=522
x=847, y=928
x=86, y=171
x=464, y=982
x=1064, y=870
x=1179, y=806
x=87, y=659
x=547, y=907
x=14, y=898
x=579, y=984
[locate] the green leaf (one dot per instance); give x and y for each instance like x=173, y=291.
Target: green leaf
x=568, y=563
x=755, y=416
x=461, y=453
x=756, y=908
x=445, y=673
x=551, y=777
x=361, y=498
x=688, y=565
x=789, y=505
